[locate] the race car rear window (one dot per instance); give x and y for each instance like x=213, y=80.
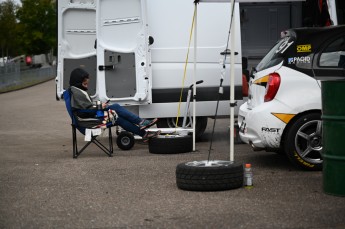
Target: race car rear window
x=275, y=55
x=334, y=54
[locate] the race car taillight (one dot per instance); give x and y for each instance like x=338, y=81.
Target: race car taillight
x=272, y=86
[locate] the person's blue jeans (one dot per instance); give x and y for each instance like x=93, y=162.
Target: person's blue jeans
x=127, y=120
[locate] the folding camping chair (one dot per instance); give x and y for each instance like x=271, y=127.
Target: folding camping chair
x=82, y=127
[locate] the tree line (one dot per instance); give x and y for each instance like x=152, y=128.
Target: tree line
x=28, y=28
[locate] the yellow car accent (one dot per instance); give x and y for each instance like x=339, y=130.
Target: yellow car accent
x=284, y=117
x=262, y=80
x=304, y=48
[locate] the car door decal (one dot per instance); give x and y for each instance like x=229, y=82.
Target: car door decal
x=304, y=48
x=262, y=81
x=284, y=46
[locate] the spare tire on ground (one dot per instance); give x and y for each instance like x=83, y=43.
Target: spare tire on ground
x=171, y=144
x=209, y=175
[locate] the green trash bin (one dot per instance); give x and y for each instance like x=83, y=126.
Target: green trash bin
x=333, y=136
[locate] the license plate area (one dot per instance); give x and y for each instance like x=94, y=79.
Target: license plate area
x=243, y=126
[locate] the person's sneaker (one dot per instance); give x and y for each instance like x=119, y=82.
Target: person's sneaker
x=147, y=123
x=150, y=135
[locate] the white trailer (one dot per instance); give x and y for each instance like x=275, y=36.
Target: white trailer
x=136, y=50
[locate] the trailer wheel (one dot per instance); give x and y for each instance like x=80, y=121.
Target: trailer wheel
x=125, y=140
x=200, y=125
x=171, y=144
x=209, y=175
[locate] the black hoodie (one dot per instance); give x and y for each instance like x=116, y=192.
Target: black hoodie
x=77, y=77
x=80, y=98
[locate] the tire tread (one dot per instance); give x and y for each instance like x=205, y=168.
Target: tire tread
x=209, y=178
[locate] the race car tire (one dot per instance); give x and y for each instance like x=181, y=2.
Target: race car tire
x=200, y=125
x=125, y=140
x=209, y=175
x=303, y=142
x=173, y=144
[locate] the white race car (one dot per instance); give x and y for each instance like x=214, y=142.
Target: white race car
x=283, y=111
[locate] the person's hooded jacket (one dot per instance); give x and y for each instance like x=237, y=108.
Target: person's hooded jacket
x=80, y=98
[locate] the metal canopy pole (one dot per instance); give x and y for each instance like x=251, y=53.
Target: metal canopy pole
x=232, y=81
x=232, y=76
x=194, y=72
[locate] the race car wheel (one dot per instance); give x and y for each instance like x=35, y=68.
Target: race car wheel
x=171, y=144
x=200, y=125
x=125, y=140
x=303, y=142
x=209, y=175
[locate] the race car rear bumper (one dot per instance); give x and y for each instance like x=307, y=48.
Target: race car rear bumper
x=260, y=128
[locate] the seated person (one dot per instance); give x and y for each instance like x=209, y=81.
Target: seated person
x=80, y=100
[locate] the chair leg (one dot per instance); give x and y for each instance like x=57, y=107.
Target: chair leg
x=110, y=142
x=94, y=140
x=101, y=146
x=76, y=153
x=109, y=151
x=75, y=145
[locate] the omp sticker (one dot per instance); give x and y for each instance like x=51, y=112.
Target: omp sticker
x=299, y=60
x=284, y=117
x=262, y=81
x=304, y=48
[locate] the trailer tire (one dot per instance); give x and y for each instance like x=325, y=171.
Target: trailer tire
x=171, y=145
x=200, y=125
x=217, y=176
x=125, y=140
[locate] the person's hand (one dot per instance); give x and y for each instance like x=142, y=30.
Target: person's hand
x=104, y=105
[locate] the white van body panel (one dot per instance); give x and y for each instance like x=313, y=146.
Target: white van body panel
x=171, y=27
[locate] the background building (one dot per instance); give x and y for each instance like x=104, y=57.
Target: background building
x=262, y=23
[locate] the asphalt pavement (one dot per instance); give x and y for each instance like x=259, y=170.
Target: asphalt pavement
x=42, y=186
